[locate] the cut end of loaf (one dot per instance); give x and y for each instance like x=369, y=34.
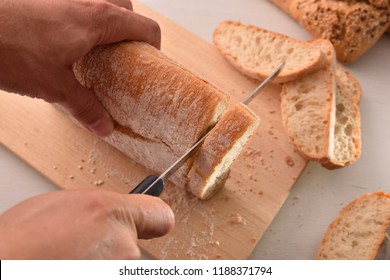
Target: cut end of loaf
x=211, y=165
x=256, y=52
x=359, y=230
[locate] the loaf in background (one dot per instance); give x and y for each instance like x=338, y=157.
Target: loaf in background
x=352, y=26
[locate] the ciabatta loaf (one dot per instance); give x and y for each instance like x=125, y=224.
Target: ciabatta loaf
x=352, y=26
x=160, y=109
x=359, y=230
x=221, y=147
x=308, y=108
x=256, y=52
x=347, y=135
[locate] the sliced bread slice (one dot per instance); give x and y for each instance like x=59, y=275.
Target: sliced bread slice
x=222, y=146
x=256, y=52
x=308, y=108
x=359, y=230
x=348, y=83
x=347, y=134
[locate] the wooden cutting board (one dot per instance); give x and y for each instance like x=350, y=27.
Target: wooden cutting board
x=226, y=227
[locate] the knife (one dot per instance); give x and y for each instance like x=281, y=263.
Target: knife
x=154, y=185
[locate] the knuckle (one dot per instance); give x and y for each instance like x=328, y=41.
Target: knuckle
x=98, y=19
x=84, y=111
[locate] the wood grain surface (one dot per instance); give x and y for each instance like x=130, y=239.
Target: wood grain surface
x=229, y=225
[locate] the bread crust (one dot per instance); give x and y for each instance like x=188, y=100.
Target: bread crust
x=326, y=249
x=160, y=109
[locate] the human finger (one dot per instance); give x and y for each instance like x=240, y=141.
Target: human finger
x=83, y=105
x=122, y=3
x=114, y=25
x=151, y=216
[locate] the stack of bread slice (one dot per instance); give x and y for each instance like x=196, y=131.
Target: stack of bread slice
x=319, y=99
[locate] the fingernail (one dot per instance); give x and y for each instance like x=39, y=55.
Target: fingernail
x=102, y=127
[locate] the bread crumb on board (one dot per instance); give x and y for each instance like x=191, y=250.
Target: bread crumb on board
x=237, y=219
x=98, y=183
x=289, y=161
x=249, y=152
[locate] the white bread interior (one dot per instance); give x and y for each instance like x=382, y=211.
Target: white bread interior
x=347, y=134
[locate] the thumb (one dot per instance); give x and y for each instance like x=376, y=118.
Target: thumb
x=84, y=106
x=152, y=217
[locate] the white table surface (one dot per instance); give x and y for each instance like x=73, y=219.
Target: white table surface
x=319, y=194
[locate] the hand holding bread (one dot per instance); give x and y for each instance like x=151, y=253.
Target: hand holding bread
x=65, y=35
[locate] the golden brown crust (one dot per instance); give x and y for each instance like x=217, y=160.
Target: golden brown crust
x=165, y=107
x=231, y=128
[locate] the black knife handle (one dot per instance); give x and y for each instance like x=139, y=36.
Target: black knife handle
x=155, y=190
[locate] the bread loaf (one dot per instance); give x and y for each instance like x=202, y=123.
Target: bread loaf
x=221, y=147
x=159, y=108
x=352, y=26
x=359, y=230
x=256, y=52
x=308, y=109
